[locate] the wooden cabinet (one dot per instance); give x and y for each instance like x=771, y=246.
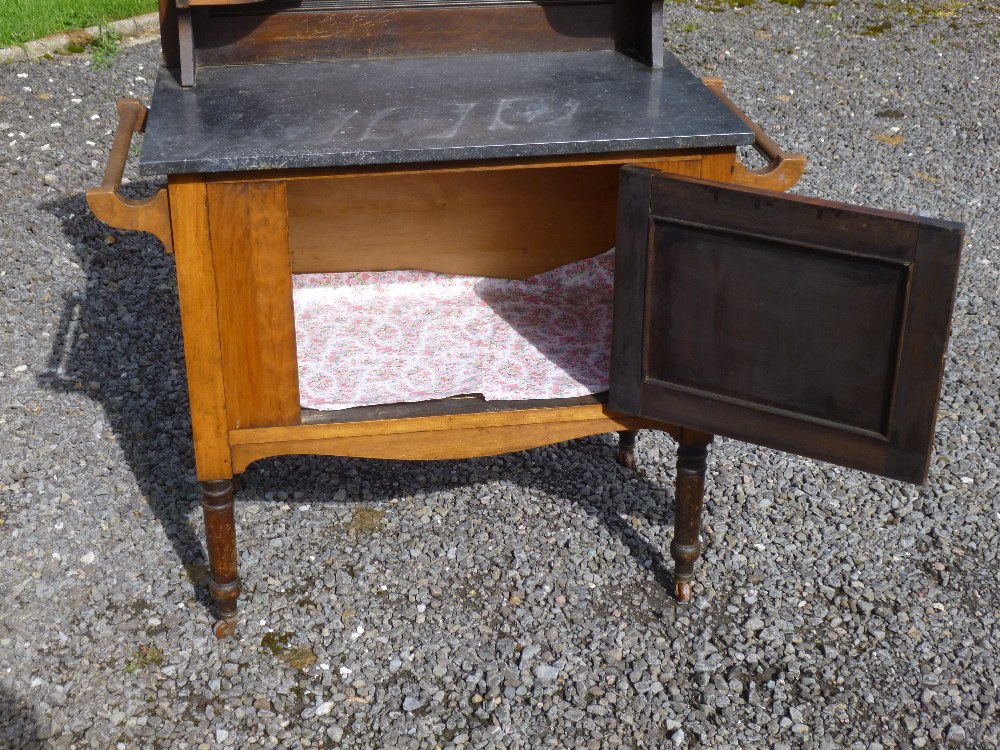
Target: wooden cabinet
x=808, y=326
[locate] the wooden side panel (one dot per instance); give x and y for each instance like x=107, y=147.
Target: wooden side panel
x=687, y=167
x=168, y=33
x=809, y=326
x=933, y=287
x=185, y=43
x=200, y=323
x=507, y=223
x=759, y=343
x=718, y=165
x=250, y=245
x=224, y=38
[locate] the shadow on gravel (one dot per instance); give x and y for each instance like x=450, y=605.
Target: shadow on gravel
x=119, y=342
x=19, y=725
x=307, y=474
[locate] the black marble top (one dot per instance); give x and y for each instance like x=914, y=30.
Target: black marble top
x=396, y=111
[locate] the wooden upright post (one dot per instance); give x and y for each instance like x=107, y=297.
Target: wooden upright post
x=692, y=455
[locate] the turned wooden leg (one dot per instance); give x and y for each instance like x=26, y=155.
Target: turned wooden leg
x=220, y=533
x=692, y=454
x=626, y=448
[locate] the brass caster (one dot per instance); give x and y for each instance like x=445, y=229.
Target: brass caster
x=224, y=628
x=626, y=457
x=682, y=590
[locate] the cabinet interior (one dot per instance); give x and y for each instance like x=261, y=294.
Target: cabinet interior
x=494, y=219
x=500, y=223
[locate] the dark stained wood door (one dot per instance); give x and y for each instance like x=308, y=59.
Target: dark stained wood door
x=809, y=326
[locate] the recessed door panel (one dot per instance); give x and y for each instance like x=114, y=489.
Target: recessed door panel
x=804, y=325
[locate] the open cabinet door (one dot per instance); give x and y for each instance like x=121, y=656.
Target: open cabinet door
x=813, y=327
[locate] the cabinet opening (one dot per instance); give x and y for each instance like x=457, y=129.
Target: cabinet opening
x=377, y=338
x=478, y=287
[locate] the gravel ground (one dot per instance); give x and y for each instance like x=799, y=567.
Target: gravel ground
x=512, y=601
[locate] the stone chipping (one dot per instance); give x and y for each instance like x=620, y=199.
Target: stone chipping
x=515, y=601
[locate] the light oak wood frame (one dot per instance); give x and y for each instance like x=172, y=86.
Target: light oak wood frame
x=235, y=261
x=240, y=240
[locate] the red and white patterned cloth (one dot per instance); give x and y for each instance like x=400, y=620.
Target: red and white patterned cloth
x=386, y=337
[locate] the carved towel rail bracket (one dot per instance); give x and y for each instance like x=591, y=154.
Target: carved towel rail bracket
x=146, y=215
x=782, y=170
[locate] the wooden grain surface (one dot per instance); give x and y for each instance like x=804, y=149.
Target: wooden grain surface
x=223, y=39
x=510, y=224
x=200, y=324
x=505, y=223
x=432, y=438
x=141, y=215
x=253, y=276
x=717, y=164
x=809, y=326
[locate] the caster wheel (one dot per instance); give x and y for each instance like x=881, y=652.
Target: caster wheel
x=224, y=628
x=682, y=590
x=626, y=457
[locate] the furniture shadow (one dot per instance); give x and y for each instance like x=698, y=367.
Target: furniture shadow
x=119, y=342
x=19, y=722
x=547, y=470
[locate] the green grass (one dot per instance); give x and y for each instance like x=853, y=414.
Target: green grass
x=105, y=48
x=24, y=20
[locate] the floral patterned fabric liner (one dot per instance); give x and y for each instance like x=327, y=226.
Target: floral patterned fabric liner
x=387, y=337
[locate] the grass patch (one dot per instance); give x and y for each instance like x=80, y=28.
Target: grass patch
x=876, y=29
x=925, y=10
x=145, y=657
x=278, y=644
x=365, y=521
x=105, y=48
x=24, y=20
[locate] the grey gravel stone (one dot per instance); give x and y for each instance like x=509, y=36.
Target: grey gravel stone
x=878, y=602
x=956, y=734
x=530, y=652
x=411, y=703
x=546, y=672
x=336, y=734
x=754, y=624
